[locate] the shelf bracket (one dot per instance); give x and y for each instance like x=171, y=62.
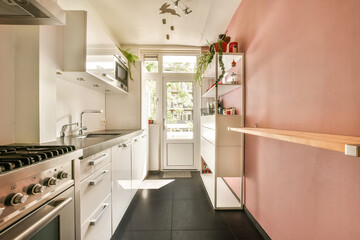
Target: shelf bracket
x=352, y=150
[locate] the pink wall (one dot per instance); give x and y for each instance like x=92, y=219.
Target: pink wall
x=302, y=73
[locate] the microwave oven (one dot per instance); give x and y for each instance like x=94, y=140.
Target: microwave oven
x=112, y=69
x=120, y=73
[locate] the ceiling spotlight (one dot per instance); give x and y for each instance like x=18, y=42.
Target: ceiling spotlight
x=172, y=28
x=176, y=3
x=187, y=11
x=167, y=36
x=164, y=21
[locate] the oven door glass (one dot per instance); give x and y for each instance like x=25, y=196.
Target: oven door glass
x=52, y=221
x=50, y=232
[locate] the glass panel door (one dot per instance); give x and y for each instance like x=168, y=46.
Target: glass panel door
x=179, y=110
x=179, y=119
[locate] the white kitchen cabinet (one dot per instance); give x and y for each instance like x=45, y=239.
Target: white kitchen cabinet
x=121, y=181
x=93, y=190
x=76, y=50
x=93, y=163
x=93, y=186
x=140, y=162
x=98, y=225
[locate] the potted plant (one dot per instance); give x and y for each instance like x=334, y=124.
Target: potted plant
x=131, y=59
x=204, y=60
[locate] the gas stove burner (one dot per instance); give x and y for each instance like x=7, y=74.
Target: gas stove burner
x=13, y=157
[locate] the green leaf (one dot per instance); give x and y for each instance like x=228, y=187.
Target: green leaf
x=131, y=59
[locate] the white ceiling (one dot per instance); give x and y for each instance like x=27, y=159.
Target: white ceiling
x=139, y=22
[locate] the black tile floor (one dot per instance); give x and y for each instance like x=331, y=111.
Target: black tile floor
x=181, y=210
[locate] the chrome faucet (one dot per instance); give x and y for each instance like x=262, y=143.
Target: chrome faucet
x=64, y=127
x=82, y=128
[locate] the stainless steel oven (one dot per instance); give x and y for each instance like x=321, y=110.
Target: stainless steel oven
x=52, y=221
x=37, y=192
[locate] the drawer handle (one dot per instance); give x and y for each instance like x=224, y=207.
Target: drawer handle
x=127, y=144
x=94, y=221
x=98, y=179
x=124, y=145
x=98, y=160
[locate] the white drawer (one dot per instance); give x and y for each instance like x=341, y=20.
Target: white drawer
x=208, y=121
x=93, y=190
x=208, y=134
x=98, y=225
x=93, y=163
x=208, y=153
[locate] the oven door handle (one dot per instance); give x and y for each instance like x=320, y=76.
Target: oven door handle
x=39, y=224
x=93, y=222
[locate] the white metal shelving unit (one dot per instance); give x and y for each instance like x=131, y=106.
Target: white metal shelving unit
x=222, y=150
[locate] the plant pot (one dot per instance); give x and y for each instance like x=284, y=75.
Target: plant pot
x=224, y=47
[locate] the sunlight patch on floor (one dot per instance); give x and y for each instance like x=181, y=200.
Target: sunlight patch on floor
x=155, y=184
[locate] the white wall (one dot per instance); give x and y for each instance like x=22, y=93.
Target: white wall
x=27, y=83
x=47, y=83
x=73, y=98
x=124, y=111
x=7, y=102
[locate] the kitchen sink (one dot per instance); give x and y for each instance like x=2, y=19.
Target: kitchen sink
x=99, y=135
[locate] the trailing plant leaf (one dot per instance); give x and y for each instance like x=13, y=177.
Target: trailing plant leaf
x=131, y=59
x=204, y=60
x=221, y=63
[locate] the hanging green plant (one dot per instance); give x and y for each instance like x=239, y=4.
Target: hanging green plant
x=221, y=63
x=131, y=59
x=204, y=60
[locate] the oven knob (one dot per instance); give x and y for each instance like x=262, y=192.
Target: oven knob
x=37, y=188
x=50, y=181
x=18, y=198
x=62, y=175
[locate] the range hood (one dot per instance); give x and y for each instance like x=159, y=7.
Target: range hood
x=31, y=12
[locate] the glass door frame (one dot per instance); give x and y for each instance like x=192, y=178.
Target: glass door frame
x=181, y=77
x=159, y=77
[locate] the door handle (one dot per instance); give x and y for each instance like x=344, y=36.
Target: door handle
x=94, y=221
x=164, y=124
x=98, y=160
x=98, y=179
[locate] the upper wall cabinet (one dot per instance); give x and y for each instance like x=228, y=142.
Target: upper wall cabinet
x=75, y=41
x=81, y=37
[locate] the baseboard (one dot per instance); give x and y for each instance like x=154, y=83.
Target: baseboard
x=256, y=224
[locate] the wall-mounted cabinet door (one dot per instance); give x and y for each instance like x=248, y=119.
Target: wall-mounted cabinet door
x=121, y=182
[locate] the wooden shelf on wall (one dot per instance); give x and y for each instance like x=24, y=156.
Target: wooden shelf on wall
x=346, y=144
